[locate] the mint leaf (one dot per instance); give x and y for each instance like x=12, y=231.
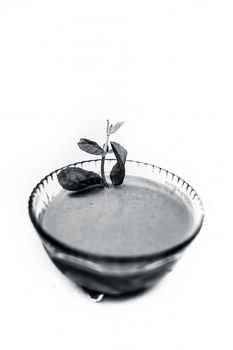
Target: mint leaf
x=90, y=147
x=77, y=179
x=115, y=127
x=117, y=174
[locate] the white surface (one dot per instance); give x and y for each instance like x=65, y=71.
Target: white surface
x=166, y=68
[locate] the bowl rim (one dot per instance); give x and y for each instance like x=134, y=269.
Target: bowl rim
x=66, y=248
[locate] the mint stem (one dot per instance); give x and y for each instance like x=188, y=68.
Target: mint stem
x=102, y=172
x=103, y=157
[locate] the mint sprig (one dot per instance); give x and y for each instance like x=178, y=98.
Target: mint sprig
x=78, y=179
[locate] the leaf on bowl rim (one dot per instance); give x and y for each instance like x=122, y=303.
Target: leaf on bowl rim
x=78, y=179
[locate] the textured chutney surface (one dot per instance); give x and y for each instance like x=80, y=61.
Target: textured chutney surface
x=139, y=217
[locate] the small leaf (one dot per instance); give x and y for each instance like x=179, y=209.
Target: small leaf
x=117, y=174
x=77, y=179
x=115, y=127
x=90, y=147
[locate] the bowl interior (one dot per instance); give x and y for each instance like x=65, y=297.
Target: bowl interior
x=49, y=188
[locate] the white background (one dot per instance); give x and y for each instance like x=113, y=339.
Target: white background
x=166, y=67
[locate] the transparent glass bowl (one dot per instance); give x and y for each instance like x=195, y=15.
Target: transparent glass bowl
x=114, y=275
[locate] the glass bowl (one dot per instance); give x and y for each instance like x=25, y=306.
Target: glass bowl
x=114, y=275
